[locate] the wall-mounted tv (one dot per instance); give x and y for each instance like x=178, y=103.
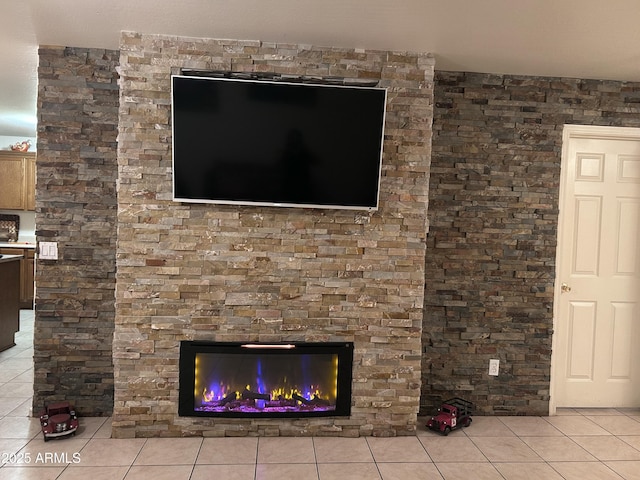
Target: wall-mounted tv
x=276, y=143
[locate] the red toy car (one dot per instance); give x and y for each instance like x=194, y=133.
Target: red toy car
x=58, y=420
x=451, y=415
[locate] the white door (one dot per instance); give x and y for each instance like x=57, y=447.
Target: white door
x=597, y=308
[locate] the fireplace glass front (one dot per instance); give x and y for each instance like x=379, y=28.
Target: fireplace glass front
x=265, y=380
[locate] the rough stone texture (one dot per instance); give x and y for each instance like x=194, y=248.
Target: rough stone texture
x=76, y=207
x=274, y=274
x=493, y=215
x=226, y=273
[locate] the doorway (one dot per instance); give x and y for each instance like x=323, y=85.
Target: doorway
x=596, y=359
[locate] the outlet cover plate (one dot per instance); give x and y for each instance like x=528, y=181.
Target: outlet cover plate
x=48, y=250
x=494, y=367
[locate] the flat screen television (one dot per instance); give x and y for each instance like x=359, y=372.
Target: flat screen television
x=276, y=143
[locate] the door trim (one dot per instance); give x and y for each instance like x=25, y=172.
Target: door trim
x=569, y=132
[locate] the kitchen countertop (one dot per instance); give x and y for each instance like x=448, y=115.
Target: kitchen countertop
x=9, y=258
x=17, y=245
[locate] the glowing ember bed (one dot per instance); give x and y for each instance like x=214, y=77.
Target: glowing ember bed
x=265, y=380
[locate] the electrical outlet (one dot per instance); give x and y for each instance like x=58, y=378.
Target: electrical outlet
x=494, y=367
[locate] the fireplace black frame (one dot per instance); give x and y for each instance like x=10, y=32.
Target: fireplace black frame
x=187, y=363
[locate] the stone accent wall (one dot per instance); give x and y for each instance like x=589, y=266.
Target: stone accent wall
x=226, y=273
x=492, y=242
x=76, y=207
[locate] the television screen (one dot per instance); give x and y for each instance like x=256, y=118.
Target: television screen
x=259, y=142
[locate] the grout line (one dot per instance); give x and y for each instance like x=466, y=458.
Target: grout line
x=315, y=457
x=375, y=462
x=255, y=467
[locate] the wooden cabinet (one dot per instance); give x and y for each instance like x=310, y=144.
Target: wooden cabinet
x=27, y=270
x=9, y=307
x=27, y=284
x=18, y=180
x=30, y=182
x=12, y=193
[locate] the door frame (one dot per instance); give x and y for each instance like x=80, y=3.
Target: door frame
x=570, y=132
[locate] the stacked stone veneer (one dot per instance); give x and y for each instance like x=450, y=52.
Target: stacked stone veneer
x=489, y=268
x=227, y=273
x=493, y=224
x=76, y=207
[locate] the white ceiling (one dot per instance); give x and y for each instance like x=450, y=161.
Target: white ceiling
x=570, y=38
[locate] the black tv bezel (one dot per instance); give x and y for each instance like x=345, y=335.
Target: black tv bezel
x=189, y=349
x=329, y=82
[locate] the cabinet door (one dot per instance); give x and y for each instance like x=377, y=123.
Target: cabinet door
x=30, y=183
x=12, y=184
x=27, y=292
x=26, y=280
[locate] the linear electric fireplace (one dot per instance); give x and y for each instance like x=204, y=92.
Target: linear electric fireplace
x=265, y=380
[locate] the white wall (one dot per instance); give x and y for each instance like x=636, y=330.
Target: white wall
x=6, y=142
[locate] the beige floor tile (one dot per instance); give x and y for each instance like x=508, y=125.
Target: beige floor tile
x=508, y=449
x=164, y=472
x=9, y=374
x=30, y=473
x=607, y=448
x=20, y=364
x=633, y=440
x=617, y=425
x=468, y=471
x=527, y=471
x=558, y=449
x=19, y=427
x=398, y=449
x=8, y=353
x=9, y=447
x=224, y=472
x=342, y=450
x=531, y=426
x=409, y=471
x=280, y=471
x=421, y=427
x=169, y=451
x=16, y=389
x=105, y=429
x=576, y=425
x=627, y=470
x=105, y=452
x=58, y=451
x=9, y=404
x=94, y=473
x=26, y=352
x=452, y=449
x=584, y=471
x=486, y=427
x=348, y=471
x=219, y=451
x=89, y=426
x=285, y=450
x=25, y=377
x=22, y=410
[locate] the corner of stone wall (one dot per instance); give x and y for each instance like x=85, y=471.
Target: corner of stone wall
x=76, y=207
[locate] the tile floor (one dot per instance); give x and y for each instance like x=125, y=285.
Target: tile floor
x=576, y=444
